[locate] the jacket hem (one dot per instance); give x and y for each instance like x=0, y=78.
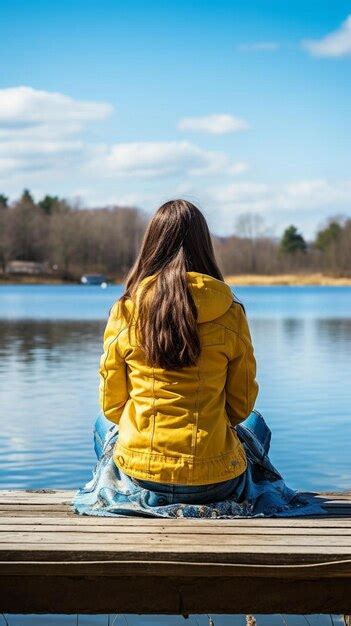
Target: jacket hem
x=180, y=470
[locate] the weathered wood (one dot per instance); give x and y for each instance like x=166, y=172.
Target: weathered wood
x=65, y=525
x=227, y=542
x=326, y=569
x=52, y=560
x=173, y=595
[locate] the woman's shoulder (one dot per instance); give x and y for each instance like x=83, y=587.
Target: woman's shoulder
x=234, y=317
x=122, y=310
x=119, y=319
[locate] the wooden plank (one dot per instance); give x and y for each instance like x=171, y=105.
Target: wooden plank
x=53, y=560
x=212, y=525
x=67, y=526
x=324, y=569
x=266, y=554
x=173, y=595
x=23, y=508
x=180, y=540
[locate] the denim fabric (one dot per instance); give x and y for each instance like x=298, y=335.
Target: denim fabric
x=259, y=491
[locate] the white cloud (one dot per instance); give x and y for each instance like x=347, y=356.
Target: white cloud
x=34, y=148
x=216, y=124
x=303, y=202
x=23, y=107
x=162, y=159
x=7, y=165
x=297, y=196
x=335, y=44
x=22, y=157
x=260, y=46
x=241, y=197
x=238, y=168
x=51, y=154
x=40, y=130
x=309, y=190
x=153, y=158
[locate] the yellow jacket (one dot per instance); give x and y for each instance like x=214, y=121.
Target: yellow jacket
x=178, y=426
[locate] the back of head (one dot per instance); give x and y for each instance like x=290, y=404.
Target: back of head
x=176, y=241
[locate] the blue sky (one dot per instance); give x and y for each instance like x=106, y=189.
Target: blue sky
x=238, y=106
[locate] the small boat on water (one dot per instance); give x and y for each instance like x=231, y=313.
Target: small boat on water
x=94, y=279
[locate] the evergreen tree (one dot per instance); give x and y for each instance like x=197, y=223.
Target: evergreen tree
x=3, y=201
x=328, y=235
x=292, y=241
x=27, y=198
x=48, y=204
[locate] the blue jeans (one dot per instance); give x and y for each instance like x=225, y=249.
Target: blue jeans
x=160, y=494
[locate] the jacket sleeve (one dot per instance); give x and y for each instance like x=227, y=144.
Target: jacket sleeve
x=113, y=391
x=241, y=386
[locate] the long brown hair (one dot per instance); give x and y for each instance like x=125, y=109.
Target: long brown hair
x=176, y=241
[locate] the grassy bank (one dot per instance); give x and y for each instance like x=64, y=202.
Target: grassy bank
x=32, y=280
x=239, y=279
x=289, y=279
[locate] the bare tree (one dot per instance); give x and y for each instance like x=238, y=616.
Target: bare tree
x=251, y=227
x=107, y=240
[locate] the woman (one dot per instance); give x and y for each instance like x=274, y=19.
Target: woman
x=177, y=377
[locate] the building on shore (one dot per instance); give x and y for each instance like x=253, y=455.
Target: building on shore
x=26, y=267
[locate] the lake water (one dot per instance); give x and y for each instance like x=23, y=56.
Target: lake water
x=51, y=341
x=50, y=344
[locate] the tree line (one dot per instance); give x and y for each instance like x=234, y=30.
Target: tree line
x=70, y=240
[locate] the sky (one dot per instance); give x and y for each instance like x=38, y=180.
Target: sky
x=239, y=106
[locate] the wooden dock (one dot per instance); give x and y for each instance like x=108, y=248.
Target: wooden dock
x=53, y=561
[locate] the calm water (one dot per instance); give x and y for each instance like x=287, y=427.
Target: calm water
x=50, y=344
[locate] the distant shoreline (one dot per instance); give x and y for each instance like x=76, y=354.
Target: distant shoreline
x=298, y=280
x=240, y=280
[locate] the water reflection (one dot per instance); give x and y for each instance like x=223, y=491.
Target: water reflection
x=338, y=331
x=30, y=339
x=304, y=367
x=48, y=400
x=292, y=328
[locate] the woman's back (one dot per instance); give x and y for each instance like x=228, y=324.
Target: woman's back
x=176, y=425
x=177, y=376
